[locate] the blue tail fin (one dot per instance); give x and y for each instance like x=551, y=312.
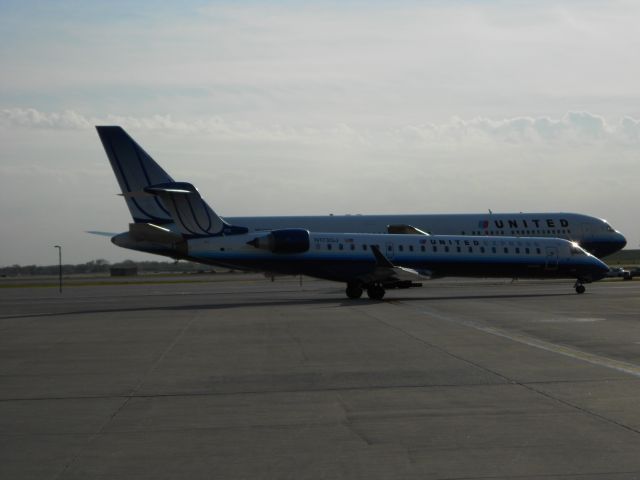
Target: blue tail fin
x=151, y=194
x=135, y=171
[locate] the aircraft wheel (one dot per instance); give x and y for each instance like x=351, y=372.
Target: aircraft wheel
x=376, y=292
x=354, y=290
x=580, y=289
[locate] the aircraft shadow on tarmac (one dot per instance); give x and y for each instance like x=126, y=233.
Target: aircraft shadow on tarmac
x=328, y=302
x=477, y=297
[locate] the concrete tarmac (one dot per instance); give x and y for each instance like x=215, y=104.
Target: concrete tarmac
x=251, y=379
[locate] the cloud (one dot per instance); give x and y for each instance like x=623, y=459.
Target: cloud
x=32, y=118
x=572, y=128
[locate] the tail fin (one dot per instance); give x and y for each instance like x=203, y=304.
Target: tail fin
x=191, y=214
x=135, y=171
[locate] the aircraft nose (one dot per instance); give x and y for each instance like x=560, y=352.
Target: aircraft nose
x=622, y=242
x=600, y=269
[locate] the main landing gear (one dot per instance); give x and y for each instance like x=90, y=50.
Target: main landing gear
x=375, y=291
x=579, y=287
x=354, y=290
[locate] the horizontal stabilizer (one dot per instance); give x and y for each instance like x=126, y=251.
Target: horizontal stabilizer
x=187, y=208
x=102, y=234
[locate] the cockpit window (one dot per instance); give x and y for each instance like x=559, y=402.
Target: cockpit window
x=607, y=226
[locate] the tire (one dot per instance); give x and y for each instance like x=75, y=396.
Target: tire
x=354, y=290
x=376, y=292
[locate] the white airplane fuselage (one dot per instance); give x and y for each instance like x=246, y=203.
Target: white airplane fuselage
x=349, y=257
x=593, y=234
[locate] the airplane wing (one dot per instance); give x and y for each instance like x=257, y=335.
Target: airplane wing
x=153, y=233
x=387, y=273
x=404, y=229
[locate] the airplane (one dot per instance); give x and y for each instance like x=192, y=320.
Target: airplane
x=135, y=170
x=171, y=218
x=593, y=234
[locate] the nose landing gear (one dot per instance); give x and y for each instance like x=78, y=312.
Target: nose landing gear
x=579, y=287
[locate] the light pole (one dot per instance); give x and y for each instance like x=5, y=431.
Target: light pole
x=59, y=267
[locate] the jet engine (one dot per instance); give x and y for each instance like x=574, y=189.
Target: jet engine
x=290, y=240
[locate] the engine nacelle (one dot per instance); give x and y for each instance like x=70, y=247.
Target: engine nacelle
x=290, y=240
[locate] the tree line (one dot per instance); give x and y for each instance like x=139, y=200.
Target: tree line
x=103, y=266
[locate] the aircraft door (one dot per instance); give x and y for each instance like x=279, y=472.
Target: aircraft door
x=389, y=250
x=551, y=260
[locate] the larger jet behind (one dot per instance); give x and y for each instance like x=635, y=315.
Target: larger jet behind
x=136, y=170
x=171, y=218
x=593, y=234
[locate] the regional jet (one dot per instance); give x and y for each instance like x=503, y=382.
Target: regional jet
x=171, y=218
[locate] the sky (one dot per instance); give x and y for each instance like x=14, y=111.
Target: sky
x=289, y=108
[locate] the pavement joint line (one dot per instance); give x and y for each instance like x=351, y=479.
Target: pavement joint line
x=258, y=392
x=545, y=475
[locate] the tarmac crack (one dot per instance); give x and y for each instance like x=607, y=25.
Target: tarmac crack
x=127, y=398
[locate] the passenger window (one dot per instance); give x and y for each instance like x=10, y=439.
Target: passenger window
x=538, y=251
x=446, y=249
x=364, y=247
x=470, y=249
x=493, y=249
x=400, y=248
x=422, y=249
x=517, y=250
x=435, y=249
x=353, y=247
x=506, y=250
x=526, y=250
x=481, y=249
x=411, y=248
x=328, y=246
x=340, y=247
x=459, y=249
